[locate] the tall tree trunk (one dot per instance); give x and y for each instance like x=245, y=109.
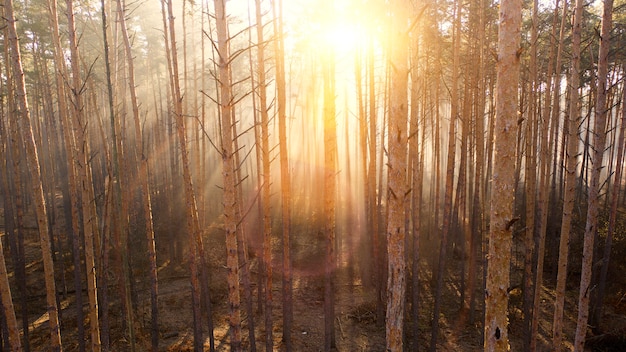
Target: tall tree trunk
x=503, y=178
x=256, y=225
x=70, y=140
x=530, y=183
x=7, y=306
x=416, y=157
x=570, y=179
x=330, y=190
x=285, y=174
x=15, y=194
x=119, y=199
x=397, y=192
x=599, y=141
x=266, y=210
x=439, y=273
x=479, y=189
x=556, y=112
x=8, y=312
x=34, y=168
x=242, y=244
x=371, y=175
x=191, y=210
x=544, y=184
x=143, y=179
x=597, y=312
x=228, y=172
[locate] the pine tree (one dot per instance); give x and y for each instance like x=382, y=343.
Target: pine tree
x=34, y=168
x=503, y=178
x=397, y=193
x=598, y=147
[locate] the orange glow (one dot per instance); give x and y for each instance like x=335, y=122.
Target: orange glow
x=344, y=38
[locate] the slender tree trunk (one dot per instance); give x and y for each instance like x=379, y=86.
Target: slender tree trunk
x=556, y=112
x=371, y=174
x=191, y=209
x=530, y=183
x=15, y=194
x=119, y=199
x=330, y=190
x=285, y=174
x=266, y=173
x=599, y=141
x=544, y=196
x=34, y=168
x=365, y=266
x=228, y=172
x=570, y=179
x=503, y=178
x=450, y=168
x=249, y=294
x=242, y=244
x=416, y=155
x=463, y=191
x=8, y=312
x=143, y=179
x=597, y=313
x=478, y=204
x=7, y=306
x=397, y=192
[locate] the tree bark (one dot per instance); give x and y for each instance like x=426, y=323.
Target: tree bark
x=544, y=185
x=530, y=183
x=266, y=179
x=34, y=168
x=373, y=215
x=285, y=174
x=191, y=210
x=15, y=196
x=330, y=187
x=143, y=179
x=439, y=273
x=8, y=310
x=228, y=172
x=397, y=193
x=598, y=311
x=599, y=141
x=120, y=204
x=570, y=179
x=503, y=178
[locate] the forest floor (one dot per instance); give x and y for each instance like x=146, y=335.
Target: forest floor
x=355, y=323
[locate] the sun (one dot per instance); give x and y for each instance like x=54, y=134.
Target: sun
x=343, y=38
x=338, y=27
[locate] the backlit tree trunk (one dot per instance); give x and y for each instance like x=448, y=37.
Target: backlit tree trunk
x=15, y=194
x=191, y=210
x=544, y=184
x=228, y=172
x=599, y=141
x=34, y=168
x=598, y=311
x=530, y=182
x=397, y=193
x=266, y=176
x=285, y=173
x=143, y=180
x=503, y=178
x=330, y=187
x=439, y=273
x=555, y=116
x=120, y=203
x=373, y=215
x=8, y=312
x=570, y=179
